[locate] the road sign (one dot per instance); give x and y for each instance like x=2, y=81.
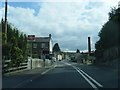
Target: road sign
x=31, y=37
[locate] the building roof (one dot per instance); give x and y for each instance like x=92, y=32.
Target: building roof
x=41, y=39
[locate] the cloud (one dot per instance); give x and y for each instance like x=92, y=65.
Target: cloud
x=69, y=23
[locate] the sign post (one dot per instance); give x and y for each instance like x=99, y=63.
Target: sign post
x=31, y=38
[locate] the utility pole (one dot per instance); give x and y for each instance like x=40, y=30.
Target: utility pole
x=6, y=20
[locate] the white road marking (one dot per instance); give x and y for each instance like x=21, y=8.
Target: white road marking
x=46, y=71
x=91, y=78
x=67, y=63
x=81, y=72
x=87, y=79
x=55, y=66
x=32, y=78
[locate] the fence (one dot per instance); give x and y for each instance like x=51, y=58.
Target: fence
x=36, y=63
x=7, y=69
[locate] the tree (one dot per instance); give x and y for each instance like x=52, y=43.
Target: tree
x=77, y=51
x=16, y=46
x=109, y=35
x=114, y=14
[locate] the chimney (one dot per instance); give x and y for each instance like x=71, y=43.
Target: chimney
x=50, y=35
x=89, y=46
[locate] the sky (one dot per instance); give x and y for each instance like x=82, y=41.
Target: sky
x=69, y=21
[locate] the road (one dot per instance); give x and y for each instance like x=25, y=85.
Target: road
x=67, y=74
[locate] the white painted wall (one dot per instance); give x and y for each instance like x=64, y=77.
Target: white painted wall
x=37, y=63
x=59, y=57
x=50, y=46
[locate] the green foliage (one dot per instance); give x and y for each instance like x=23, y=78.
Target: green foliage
x=114, y=14
x=4, y=37
x=16, y=46
x=17, y=56
x=78, y=51
x=90, y=58
x=6, y=50
x=109, y=34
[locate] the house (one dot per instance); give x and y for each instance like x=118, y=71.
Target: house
x=41, y=47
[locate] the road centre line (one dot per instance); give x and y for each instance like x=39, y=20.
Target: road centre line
x=87, y=77
x=91, y=78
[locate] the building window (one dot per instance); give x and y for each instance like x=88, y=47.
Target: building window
x=46, y=45
x=43, y=45
x=39, y=45
x=34, y=45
